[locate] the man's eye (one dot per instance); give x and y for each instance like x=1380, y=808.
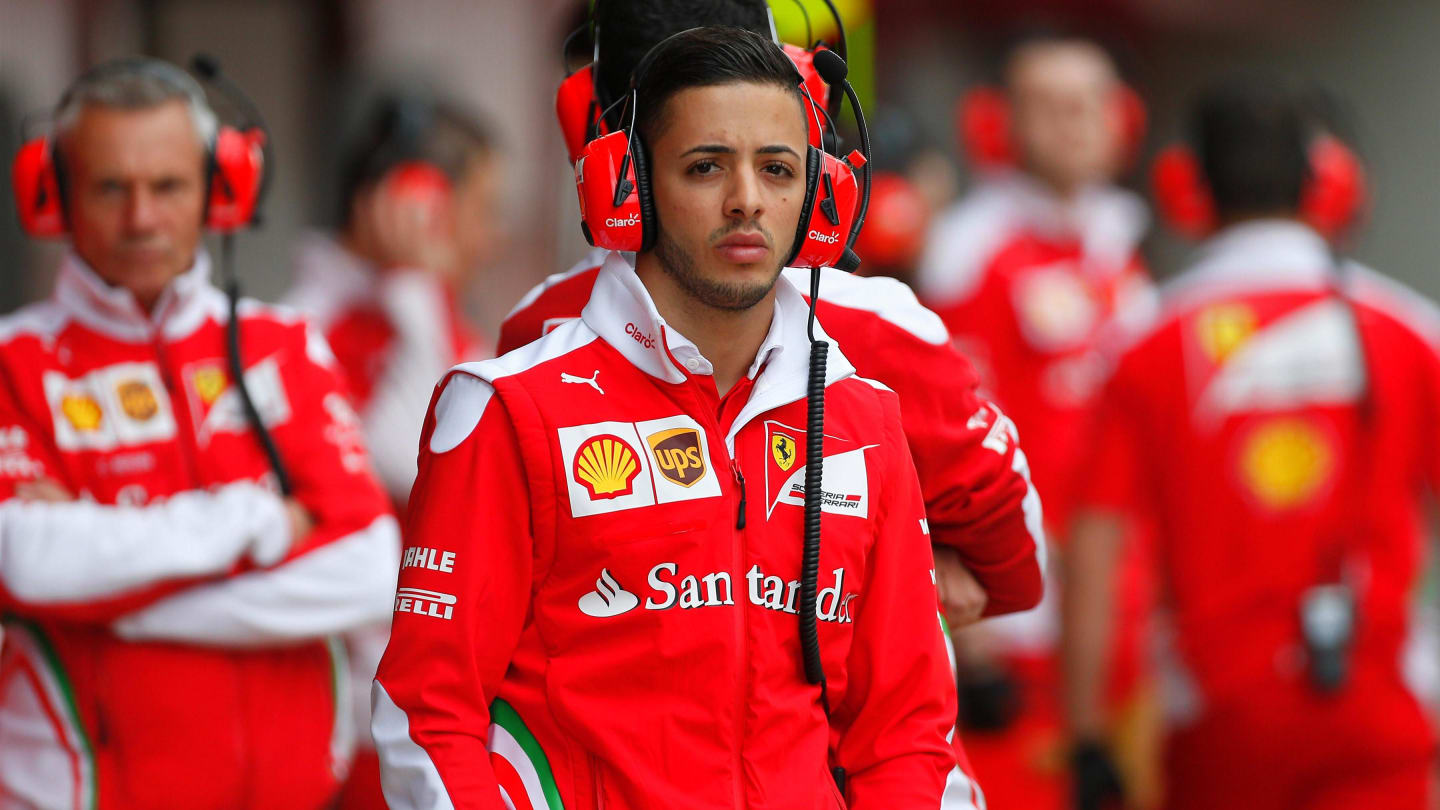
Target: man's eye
x=110, y=187
x=779, y=169
x=705, y=167
x=169, y=185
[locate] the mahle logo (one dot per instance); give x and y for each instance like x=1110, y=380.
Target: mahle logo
x=607, y=467
x=677, y=454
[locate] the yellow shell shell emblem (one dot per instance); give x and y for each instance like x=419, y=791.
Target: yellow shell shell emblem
x=1285, y=462
x=1224, y=328
x=82, y=410
x=782, y=449
x=137, y=400
x=210, y=383
x=607, y=466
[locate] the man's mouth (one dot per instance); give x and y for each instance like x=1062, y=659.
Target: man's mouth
x=743, y=248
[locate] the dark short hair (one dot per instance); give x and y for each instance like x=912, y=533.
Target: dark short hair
x=1250, y=133
x=705, y=57
x=628, y=29
x=406, y=127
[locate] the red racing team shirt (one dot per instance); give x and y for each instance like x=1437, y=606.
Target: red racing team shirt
x=1027, y=284
x=1274, y=452
x=598, y=600
x=974, y=477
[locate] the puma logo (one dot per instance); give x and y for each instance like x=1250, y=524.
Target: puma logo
x=590, y=381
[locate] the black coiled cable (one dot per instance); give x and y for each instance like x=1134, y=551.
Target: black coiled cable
x=237, y=370
x=814, y=498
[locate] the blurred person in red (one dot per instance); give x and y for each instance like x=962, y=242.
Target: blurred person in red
x=418, y=192
x=983, y=514
x=1277, y=423
x=1027, y=271
x=171, y=618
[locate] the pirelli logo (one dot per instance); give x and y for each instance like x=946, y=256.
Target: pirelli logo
x=425, y=603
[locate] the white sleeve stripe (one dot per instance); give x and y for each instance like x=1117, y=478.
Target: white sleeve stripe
x=80, y=550
x=1034, y=512
x=345, y=585
x=408, y=777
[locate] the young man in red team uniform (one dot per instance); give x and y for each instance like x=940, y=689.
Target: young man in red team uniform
x=984, y=516
x=1277, y=422
x=170, y=619
x=637, y=468
x=1026, y=272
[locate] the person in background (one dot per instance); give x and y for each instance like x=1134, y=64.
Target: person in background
x=1026, y=271
x=170, y=619
x=418, y=192
x=1277, y=422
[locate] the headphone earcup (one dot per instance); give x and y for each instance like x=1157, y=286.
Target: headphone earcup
x=832, y=196
x=816, y=88
x=237, y=168
x=644, y=195
x=1334, y=194
x=35, y=180
x=983, y=119
x=597, y=179
x=1134, y=123
x=813, y=160
x=1181, y=195
x=576, y=107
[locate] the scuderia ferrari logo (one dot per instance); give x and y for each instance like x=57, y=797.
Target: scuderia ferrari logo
x=612, y=466
x=782, y=449
x=846, y=488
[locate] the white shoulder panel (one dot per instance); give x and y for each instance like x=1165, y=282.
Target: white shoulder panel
x=889, y=298
x=43, y=319
x=590, y=261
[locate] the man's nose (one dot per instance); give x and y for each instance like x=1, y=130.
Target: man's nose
x=744, y=199
x=141, y=211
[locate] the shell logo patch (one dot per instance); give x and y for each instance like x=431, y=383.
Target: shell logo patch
x=604, y=472
x=1223, y=329
x=782, y=449
x=210, y=382
x=607, y=466
x=83, y=412
x=137, y=400
x=1285, y=463
x=677, y=455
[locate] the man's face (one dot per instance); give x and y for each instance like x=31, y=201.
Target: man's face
x=728, y=173
x=136, y=194
x=1065, y=121
x=478, y=214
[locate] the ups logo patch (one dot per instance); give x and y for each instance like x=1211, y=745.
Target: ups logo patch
x=678, y=455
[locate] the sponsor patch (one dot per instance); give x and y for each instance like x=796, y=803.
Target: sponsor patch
x=610, y=466
x=845, y=489
x=1223, y=328
x=1285, y=463
x=425, y=603
x=677, y=454
x=209, y=381
x=114, y=406
x=215, y=405
x=782, y=449
x=137, y=400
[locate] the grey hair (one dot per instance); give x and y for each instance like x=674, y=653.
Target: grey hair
x=137, y=84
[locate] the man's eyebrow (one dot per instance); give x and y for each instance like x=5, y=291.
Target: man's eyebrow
x=721, y=149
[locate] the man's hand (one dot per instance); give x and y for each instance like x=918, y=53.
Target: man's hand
x=961, y=595
x=46, y=490
x=1096, y=779
x=301, y=524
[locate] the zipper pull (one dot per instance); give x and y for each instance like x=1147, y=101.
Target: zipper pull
x=740, y=480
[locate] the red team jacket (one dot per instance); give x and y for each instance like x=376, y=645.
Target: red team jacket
x=647, y=654
x=1026, y=284
x=974, y=477
x=166, y=644
x=1235, y=421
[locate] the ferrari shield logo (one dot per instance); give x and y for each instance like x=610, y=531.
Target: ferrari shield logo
x=782, y=447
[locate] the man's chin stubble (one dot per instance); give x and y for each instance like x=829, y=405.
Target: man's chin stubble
x=732, y=297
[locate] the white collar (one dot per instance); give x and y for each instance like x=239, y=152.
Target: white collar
x=115, y=312
x=1259, y=255
x=622, y=312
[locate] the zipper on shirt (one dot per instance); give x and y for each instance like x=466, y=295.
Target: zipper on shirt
x=739, y=481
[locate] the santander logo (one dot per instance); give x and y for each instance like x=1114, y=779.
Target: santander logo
x=616, y=222
x=827, y=238
x=608, y=599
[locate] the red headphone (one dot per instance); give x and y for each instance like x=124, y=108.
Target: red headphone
x=234, y=164
x=617, y=210
x=1331, y=200
x=577, y=103
x=982, y=119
